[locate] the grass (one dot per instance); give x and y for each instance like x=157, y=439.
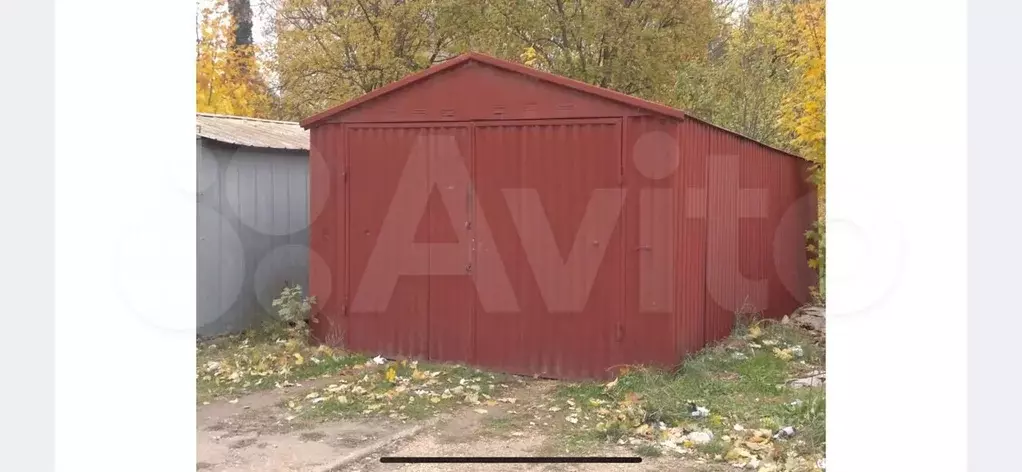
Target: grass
x=236, y=365
x=400, y=390
x=648, y=450
x=743, y=383
x=262, y=359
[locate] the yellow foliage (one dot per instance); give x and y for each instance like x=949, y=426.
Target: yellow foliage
x=227, y=75
x=529, y=56
x=799, y=32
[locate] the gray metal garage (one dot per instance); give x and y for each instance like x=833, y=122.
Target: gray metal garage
x=252, y=226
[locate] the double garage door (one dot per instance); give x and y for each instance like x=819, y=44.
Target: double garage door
x=498, y=244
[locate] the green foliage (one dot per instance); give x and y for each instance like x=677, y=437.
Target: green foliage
x=292, y=313
x=816, y=243
x=742, y=382
x=291, y=306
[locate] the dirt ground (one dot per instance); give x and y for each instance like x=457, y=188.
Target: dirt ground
x=256, y=434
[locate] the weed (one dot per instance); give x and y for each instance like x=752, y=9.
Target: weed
x=648, y=450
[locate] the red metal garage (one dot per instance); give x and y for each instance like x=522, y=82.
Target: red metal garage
x=485, y=212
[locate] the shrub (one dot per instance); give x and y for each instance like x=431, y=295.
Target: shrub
x=293, y=308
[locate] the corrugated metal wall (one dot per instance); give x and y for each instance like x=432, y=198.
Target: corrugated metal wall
x=651, y=227
x=551, y=195
x=691, y=223
x=758, y=206
x=252, y=219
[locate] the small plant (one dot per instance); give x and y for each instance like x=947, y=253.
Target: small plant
x=816, y=245
x=648, y=450
x=293, y=308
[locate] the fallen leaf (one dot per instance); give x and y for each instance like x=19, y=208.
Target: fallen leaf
x=737, y=453
x=783, y=354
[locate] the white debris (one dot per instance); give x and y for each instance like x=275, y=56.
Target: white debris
x=785, y=433
x=700, y=412
x=699, y=437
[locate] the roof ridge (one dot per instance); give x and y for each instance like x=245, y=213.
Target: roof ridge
x=514, y=67
x=245, y=118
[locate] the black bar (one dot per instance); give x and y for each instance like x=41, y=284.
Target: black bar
x=510, y=460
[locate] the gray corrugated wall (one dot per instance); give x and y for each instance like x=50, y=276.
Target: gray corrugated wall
x=252, y=232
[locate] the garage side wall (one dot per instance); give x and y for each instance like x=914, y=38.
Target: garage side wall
x=252, y=232
x=758, y=207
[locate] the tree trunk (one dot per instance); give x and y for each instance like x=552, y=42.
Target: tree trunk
x=241, y=11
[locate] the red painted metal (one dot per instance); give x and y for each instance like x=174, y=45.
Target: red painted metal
x=535, y=105
x=704, y=223
x=758, y=206
x=564, y=163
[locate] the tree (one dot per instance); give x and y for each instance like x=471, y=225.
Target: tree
x=331, y=51
x=227, y=79
x=800, y=30
x=743, y=82
x=241, y=12
x=632, y=46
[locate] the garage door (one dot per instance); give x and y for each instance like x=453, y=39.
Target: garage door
x=551, y=192
x=409, y=243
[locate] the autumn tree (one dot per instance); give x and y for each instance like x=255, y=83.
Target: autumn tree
x=332, y=51
x=742, y=83
x=329, y=52
x=799, y=30
x=627, y=45
x=241, y=12
x=227, y=74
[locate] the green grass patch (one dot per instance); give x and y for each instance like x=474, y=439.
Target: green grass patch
x=741, y=381
x=648, y=450
x=400, y=390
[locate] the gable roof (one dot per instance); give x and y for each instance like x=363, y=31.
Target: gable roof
x=583, y=87
x=252, y=132
x=546, y=77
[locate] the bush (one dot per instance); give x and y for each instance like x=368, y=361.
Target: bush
x=293, y=308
